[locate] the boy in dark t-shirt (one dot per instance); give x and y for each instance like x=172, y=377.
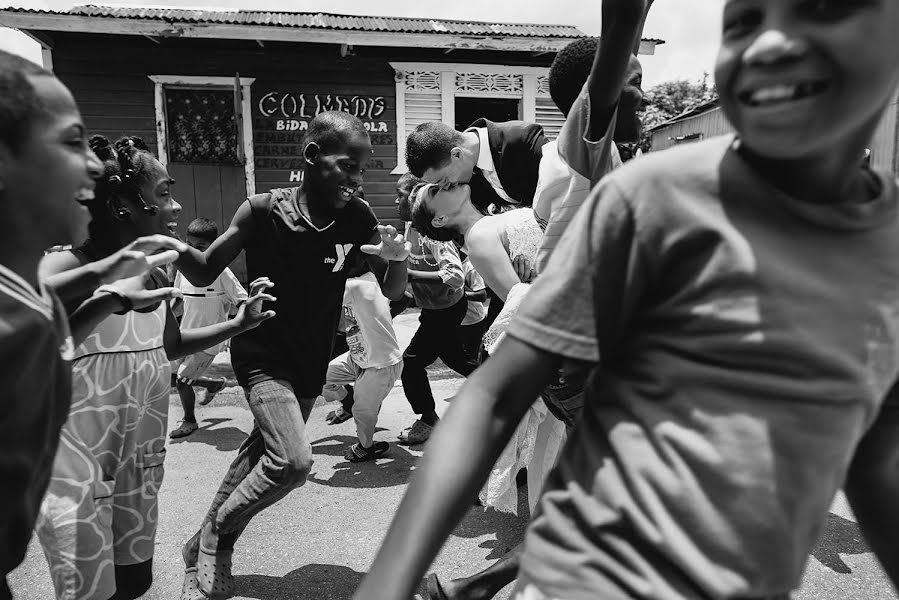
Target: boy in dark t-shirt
x=304, y=240
x=740, y=298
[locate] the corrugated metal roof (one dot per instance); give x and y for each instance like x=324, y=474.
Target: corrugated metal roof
x=321, y=21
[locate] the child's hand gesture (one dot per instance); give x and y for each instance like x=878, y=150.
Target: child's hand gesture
x=250, y=313
x=139, y=257
x=393, y=246
x=134, y=295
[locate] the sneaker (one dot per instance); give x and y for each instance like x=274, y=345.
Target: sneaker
x=212, y=391
x=184, y=429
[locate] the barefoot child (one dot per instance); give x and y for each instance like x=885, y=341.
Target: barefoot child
x=743, y=297
x=305, y=239
x=372, y=364
x=98, y=520
x=202, y=306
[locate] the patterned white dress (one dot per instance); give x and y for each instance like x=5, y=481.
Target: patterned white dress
x=101, y=507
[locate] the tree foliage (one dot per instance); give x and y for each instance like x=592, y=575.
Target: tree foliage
x=671, y=98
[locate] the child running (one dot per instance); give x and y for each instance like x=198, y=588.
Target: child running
x=743, y=295
x=373, y=362
x=98, y=520
x=435, y=273
x=42, y=139
x=305, y=239
x=202, y=306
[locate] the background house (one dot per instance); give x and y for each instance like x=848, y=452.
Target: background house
x=226, y=96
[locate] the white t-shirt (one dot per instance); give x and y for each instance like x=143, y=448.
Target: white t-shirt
x=209, y=304
x=474, y=283
x=569, y=169
x=369, y=328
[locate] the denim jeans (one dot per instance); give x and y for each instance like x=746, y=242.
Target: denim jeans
x=275, y=459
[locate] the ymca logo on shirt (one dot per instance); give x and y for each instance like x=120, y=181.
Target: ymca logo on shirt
x=341, y=251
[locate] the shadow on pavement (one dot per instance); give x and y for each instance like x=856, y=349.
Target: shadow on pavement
x=508, y=528
x=225, y=439
x=311, y=582
x=840, y=536
x=390, y=470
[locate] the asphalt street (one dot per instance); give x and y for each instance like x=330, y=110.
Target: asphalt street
x=317, y=543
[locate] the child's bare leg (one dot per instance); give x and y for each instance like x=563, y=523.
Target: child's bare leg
x=188, y=401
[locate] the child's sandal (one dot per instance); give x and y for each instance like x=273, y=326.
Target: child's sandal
x=357, y=453
x=214, y=577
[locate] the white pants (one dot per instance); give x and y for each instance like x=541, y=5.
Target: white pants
x=371, y=387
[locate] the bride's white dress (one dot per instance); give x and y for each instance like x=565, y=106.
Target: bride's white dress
x=539, y=437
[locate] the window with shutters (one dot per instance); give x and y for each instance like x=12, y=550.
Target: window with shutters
x=428, y=92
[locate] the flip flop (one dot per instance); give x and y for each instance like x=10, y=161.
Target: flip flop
x=189, y=589
x=210, y=393
x=435, y=590
x=357, y=453
x=214, y=578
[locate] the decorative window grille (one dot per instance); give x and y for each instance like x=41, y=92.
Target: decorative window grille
x=422, y=81
x=543, y=86
x=489, y=83
x=201, y=126
x=550, y=117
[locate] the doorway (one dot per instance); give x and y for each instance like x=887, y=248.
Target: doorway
x=469, y=110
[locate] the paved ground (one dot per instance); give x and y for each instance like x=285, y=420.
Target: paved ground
x=317, y=543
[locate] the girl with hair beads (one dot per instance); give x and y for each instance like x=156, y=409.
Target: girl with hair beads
x=98, y=520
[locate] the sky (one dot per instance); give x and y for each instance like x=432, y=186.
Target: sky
x=690, y=28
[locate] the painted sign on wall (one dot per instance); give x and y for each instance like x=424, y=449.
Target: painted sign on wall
x=281, y=119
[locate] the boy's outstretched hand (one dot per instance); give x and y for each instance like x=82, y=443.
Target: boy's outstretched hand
x=250, y=313
x=134, y=290
x=393, y=246
x=139, y=257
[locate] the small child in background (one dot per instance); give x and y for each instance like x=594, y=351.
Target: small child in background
x=372, y=364
x=473, y=325
x=435, y=272
x=202, y=306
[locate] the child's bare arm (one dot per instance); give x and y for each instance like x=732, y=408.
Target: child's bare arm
x=386, y=255
x=622, y=21
x=484, y=415
x=201, y=268
x=873, y=488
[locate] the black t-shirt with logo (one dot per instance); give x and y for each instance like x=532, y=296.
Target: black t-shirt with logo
x=309, y=267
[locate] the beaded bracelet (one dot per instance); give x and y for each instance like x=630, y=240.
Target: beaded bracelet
x=127, y=305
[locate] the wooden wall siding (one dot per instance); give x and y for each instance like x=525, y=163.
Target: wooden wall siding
x=710, y=124
x=885, y=145
x=108, y=76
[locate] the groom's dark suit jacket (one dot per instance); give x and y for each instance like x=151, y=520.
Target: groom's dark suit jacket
x=517, y=148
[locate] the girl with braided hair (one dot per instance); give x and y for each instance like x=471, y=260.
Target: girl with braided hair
x=98, y=520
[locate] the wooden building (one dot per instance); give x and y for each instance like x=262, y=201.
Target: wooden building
x=226, y=96
x=708, y=120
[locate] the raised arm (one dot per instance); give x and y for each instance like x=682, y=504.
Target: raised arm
x=201, y=268
x=872, y=486
x=484, y=414
x=622, y=22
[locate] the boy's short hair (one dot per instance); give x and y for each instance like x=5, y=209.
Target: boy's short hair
x=570, y=70
x=405, y=186
x=429, y=146
x=203, y=228
x=331, y=130
x=19, y=103
x=423, y=215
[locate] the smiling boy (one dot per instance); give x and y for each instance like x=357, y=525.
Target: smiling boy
x=304, y=239
x=743, y=300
